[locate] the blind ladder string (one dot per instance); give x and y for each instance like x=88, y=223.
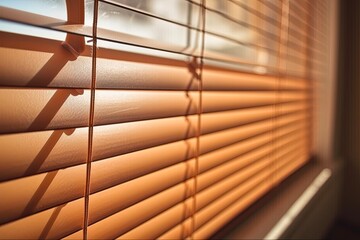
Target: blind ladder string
x=281, y=69
x=91, y=120
x=200, y=110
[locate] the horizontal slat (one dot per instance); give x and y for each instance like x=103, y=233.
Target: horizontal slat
x=113, y=171
x=285, y=171
x=51, y=64
x=143, y=211
x=295, y=83
x=68, y=108
x=210, y=228
x=122, y=38
x=146, y=73
x=41, y=151
x=139, y=213
x=26, y=196
x=240, y=81
x=77, y=74
x=46, y=187
x=109, y=172
x=222, y=80
x=112, y=36
x=238, y=110
x=157, y=74
x=137, y=75
x=112, y=140
x=125, y=106
x=211, y=210
x=181, y=212
x=282, y=171
x=167, y=177
x=146, y=186
x=229, y=213
x=224, y=172
x=215, y=158
x=25, y=110
x=53, y=223
x=226, y=215
x=204, y=202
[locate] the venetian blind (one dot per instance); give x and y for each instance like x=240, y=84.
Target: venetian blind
x=150, y=119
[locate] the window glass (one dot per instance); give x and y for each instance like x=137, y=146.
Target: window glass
x=48, y=8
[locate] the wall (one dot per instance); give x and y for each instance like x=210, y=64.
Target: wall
x=348, y=131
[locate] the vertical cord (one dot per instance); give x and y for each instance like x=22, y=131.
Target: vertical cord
x=274, y=119
x=91, y=121
x=308, y=74
x=200, y=110
x=281, y=68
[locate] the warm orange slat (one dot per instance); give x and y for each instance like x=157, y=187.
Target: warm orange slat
x=180, y=212
x=126, y=106
x=50, y=150
x=139, y=213
x=106, y=170
x=112, y=171
x=114, y=106
x=112, y=140
x=254, y=133
x=166, y=178
x=144, y=187
x=287, y=170
x=54, y=109
x=147, y=75
x=41, y=151
x=210, y=211
x=225, y=80
x=26, y=196
x=109, y=172
x=210, y=228
x=225, y=216
x=106, y=226
x=53, y=223
x=51, y=64
x=61, y=178
x=174, y=216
